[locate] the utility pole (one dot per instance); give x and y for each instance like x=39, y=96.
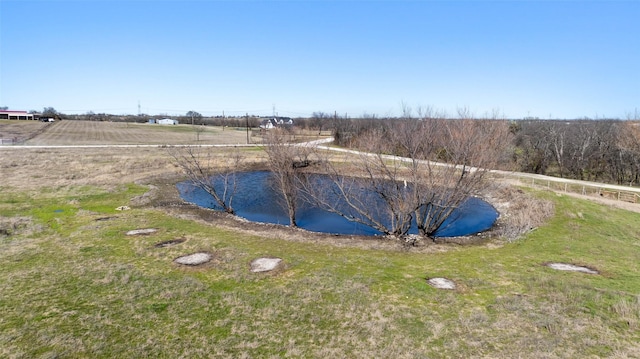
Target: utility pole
x=247, y=122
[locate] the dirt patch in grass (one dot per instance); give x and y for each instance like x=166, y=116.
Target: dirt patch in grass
x=10, y=226
x=169, y=243
x=101, y=219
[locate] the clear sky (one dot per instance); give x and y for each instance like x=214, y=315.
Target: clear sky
x=548, y=59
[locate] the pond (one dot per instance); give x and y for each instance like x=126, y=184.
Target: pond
x=257, y=201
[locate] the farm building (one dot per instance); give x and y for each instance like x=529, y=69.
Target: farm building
x=167, y=121
x=15, y=115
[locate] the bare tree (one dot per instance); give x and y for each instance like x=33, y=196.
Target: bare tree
x=629, y=143
x=319, y=120
x=596, y=150
x=359, y=189
x=467, y=148
x=198, y=130
x=193, y=116
x=606, y=163
x=558, y=136
x=532, y=147
x=49, y=111
x=285, y=160
x=216, y=175
x=443, y=163
x=582, y=144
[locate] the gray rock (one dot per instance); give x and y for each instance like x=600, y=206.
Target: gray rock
x=441, y=283
x=264, y=264
x=571, y=267
x=194, y=259
x=138, y=232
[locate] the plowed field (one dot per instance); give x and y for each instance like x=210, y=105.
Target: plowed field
x=20, y=130
x=120, y=133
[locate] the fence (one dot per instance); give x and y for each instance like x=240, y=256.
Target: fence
x=619, y=193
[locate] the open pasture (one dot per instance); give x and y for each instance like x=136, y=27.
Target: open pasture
x=74, y=284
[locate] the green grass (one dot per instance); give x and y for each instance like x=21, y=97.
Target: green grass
x=80, y=287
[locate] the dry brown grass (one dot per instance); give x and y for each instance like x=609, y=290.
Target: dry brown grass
x=11, y=226
x=29, y=169
x=520, y=212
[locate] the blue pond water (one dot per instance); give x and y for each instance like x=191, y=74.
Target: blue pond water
x=256, y=200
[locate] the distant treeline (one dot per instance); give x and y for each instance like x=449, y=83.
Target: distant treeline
x=600, y=150
x=594, y=150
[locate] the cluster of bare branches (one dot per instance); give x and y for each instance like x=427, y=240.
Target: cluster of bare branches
x=285, y=159
x=602, y=150
x=204, y=169
x=413, y=171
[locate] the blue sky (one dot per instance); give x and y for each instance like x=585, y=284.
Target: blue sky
x=548, y=59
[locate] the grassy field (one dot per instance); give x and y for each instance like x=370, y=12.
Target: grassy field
x=74, y=285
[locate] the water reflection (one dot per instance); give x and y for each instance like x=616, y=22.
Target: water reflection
x=257, y=201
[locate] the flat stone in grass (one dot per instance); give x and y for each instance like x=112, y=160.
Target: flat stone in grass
x=571, y=267
x=194, y=259
x=264, y=264
x=441, y=283
x=141, y=232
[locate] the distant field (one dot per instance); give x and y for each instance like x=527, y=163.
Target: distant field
x=122, y=133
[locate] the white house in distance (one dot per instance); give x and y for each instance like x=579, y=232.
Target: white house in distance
x=167, y=121
x=273, y=122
